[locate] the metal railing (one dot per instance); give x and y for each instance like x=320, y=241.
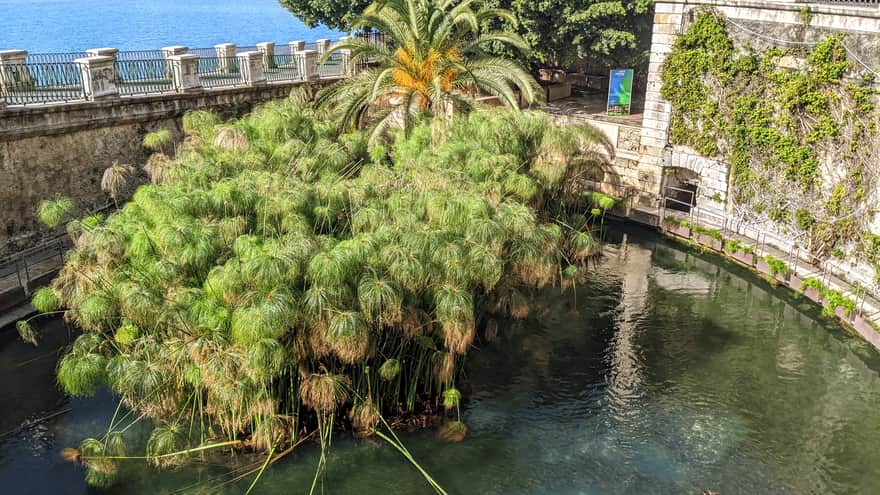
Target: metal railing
x=286, y=68
x=39, y=58
x=203, y=52
x=140, y=55
x=140, y=77
x=220, y=71
x=40, y=82
x=27, y=270
x=334, y=66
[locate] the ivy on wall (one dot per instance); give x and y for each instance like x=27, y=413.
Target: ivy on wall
x=797, y=130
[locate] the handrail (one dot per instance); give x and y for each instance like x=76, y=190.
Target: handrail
x=40, y=82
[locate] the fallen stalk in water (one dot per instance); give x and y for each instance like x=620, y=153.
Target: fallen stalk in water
x=397, y=444
x=231, y=443
x=272, y=461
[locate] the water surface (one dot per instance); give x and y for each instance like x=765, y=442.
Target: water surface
x=41, y=26
x=666, y=373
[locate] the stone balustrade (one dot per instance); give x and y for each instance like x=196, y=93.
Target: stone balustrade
x=106, y=73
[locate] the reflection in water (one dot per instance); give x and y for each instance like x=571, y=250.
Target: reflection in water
x=668, y=373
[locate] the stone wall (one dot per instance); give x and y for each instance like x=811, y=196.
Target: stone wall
x=712, y=191
x=622, y=176
x=760, y=24
x=64, y=149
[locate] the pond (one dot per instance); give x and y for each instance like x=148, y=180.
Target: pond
x=668, y=372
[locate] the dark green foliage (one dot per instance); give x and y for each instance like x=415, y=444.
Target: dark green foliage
x=812, y=283
x=593, y=32
x=833, y=299
x=714, y=234
x=559, y=32
x=732, y=246
x=337, y=14
x=673, y=221
x=777, y=266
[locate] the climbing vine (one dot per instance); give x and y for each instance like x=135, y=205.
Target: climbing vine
x=796, y=126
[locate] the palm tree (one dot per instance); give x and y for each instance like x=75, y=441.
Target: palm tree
x=439, y=64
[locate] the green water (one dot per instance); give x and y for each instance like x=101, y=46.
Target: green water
x=667, y=373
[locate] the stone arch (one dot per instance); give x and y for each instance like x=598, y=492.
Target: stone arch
x=680, y=188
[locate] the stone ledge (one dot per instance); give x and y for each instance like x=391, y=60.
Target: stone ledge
x=52, y=119
x=870, y=11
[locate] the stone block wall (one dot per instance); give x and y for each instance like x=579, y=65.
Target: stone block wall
x=668, y=18
x=63, y=149
x=712, y=191
x=622, y=177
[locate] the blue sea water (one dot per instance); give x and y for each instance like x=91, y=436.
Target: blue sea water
x=41, y=26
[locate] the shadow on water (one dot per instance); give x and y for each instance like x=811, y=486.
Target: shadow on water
x=668, y=372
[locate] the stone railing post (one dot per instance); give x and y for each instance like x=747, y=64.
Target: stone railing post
x=323, y=47
x=13, y=71
x=185, y=72
x=267, y=48
x=98, y=77
x=171, y=51
x=225, y=54
x=106, y=52
x=296, y=47
x=251, y=64
x=348, y=69
x=308, y=65
x=102, y=52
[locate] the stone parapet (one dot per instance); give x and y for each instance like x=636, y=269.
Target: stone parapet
x=308, y=65
x=323, y=46
x=251, y=66
x=113, y=53
x=170, y=51
x=98, y=75
x=13, y=71
x=267, y=48
x=185, y=73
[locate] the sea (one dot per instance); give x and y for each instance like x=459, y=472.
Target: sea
x=46, y=26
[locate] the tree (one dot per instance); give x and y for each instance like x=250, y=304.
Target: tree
x=559, y=32
x=439, y=64
x=337, y=14
x=563, y=33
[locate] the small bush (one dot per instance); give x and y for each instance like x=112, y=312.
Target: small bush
x=835, y=299
x=777, y=266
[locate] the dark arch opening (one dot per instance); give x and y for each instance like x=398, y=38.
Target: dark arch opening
x=680, y=186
